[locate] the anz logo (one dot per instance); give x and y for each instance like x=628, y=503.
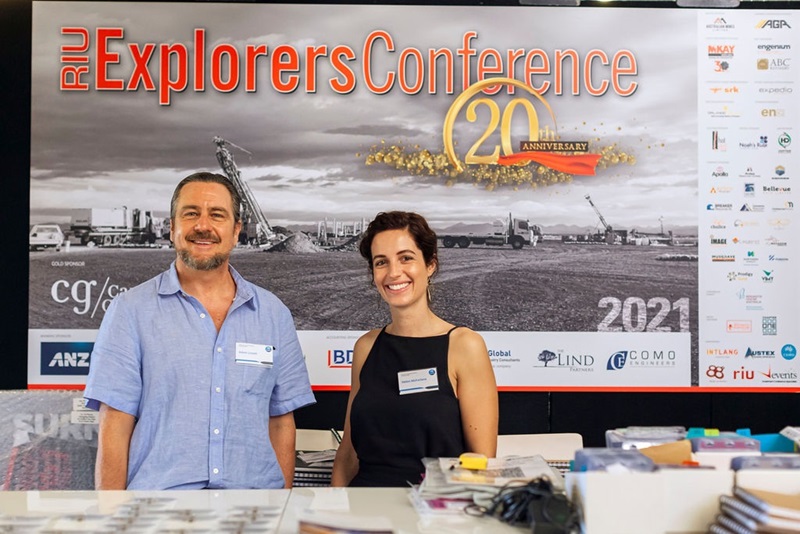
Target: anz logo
x=71, y=358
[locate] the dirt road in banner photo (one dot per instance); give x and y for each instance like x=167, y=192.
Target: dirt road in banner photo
x=552, y=287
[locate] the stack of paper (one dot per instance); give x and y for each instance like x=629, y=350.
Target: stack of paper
x=752, y=510
x=448, y=488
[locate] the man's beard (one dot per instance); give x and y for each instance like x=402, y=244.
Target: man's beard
x=206, y=264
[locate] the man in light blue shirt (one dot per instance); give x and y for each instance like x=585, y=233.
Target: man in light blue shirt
x=196, y=372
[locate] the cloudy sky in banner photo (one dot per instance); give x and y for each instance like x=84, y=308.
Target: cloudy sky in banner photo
x=306, y=161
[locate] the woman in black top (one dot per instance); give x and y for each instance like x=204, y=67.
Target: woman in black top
x=420, y=386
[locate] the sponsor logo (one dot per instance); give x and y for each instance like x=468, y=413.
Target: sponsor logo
x=717, y=372
x=749, y=189
x=761, y=142
x=779, y=376
x=641, y=359
x=755, y=208
x=718, y=224
x=773, y=112
x=788, y=352
x=749, y=173
x=740, y=276
x=719, y=207
x=751, y=301
x=786, y=206
x=740, y=241
x=573, y=362
x=739, y=326
x=774, y=257
x=780, y=224
x=751, y=353
x=720, y=24
x=719, y=172
x=724, y=112
x=740, y=223
x=769, y=326
x=724, y=89
x=720, y=189
x=338, y=358
x=723, y=257
x=775, y=242
x=782, y=63
x=718, y=142
x=65, y=359
x=743, y=374
x=780, y=170
x=774, y=47
x=776, y=189
x=784, y=141
x=722, y=352
x=772, y=24
x=718, y=240
x=781, y=90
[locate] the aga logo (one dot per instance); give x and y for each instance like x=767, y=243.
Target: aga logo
x=70, y=358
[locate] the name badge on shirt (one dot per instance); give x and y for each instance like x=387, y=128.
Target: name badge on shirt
x=418, y=381
x=254, y=354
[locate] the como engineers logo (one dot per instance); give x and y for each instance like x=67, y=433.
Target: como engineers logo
x=640, y=358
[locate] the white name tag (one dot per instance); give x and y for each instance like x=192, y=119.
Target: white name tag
x=418, y=381
x=253, y=354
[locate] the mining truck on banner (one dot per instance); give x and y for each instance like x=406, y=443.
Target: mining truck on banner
x=116, y=226
x=511, y=231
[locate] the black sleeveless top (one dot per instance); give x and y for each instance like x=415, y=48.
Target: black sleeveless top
x=391, y=433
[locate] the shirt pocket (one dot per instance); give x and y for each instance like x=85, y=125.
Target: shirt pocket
x=257, y=381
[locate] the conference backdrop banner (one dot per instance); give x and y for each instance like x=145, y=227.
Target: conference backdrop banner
x=612, y=190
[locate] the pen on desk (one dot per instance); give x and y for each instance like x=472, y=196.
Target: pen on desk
x=336, y=435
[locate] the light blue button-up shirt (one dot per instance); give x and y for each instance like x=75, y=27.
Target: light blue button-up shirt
x=202, y=419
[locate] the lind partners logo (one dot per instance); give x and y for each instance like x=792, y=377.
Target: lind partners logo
x=70, y=358
x=560, y=359
x=639, y=359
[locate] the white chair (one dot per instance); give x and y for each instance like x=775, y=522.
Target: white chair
x=552, y=447
x=315, y=440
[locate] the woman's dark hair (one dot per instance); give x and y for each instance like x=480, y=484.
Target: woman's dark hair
x=417, y=226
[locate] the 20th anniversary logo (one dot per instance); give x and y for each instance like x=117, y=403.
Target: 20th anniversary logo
x=542, y=158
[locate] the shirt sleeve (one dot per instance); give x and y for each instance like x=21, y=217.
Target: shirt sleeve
x=115, y=366
x=292, y=388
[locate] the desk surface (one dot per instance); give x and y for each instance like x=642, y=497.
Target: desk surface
x=269, y=511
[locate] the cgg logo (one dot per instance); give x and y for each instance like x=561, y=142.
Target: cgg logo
x=70, y=358
x=340, y=358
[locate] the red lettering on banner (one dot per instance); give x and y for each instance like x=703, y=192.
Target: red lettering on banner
x=617, y=70
x=419, y=72
x=532, y=70
x=587, y=72
x=285, y=60
x=70, y=79
x=312, y=53
x=371, y=38
x=252, y=53
x=349, y=83
x=217, y=61
x=166, y=84
x=433, y=56
x=105, y=58
x=141, y=57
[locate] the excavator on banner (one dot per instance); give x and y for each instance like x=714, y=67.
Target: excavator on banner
x=256, y=230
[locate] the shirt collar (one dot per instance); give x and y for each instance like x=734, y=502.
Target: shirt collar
x=170, y=285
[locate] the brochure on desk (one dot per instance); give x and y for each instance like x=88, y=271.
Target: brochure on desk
x=632, y=175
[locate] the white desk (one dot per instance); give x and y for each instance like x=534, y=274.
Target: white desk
x=268, y=511
x=391, y=503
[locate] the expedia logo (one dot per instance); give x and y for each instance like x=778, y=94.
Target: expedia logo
x=65, y=359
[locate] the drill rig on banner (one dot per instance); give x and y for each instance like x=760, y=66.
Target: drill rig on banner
x=255, y=227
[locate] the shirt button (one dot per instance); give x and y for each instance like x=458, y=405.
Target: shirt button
x=215, y=471
x=202, y=315
x=216, y=431
x=219, y=349
x=218, y=389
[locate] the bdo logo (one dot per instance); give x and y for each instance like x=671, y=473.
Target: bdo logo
x=340, y=358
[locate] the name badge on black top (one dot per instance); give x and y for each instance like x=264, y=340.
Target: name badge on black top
x=418, y=381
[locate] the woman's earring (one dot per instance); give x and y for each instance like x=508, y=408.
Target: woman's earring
x=430, y=289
